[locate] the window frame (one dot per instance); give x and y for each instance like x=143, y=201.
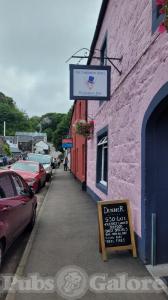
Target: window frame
x=156, y=18
x=102, y=141
x=103, y=61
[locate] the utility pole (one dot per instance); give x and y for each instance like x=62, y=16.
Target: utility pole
x=4, y=128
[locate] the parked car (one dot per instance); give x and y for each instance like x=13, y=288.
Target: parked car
x=45, y=160
x=1, y=160
x=32, y=172
x=17, y=208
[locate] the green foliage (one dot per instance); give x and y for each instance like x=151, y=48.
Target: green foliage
x=6, y=149
x=62, y=130
x=34, y=123
x=15, y=119
x=56, y=125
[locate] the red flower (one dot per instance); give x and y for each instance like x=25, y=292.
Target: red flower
x=162, y=28
x=160, y=2
x=162, y=11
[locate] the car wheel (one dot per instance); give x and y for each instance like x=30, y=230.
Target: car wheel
x=38, y=187
x=32, y=221
x=48, y=177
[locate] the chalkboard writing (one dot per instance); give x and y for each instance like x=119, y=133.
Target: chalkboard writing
x=115, y=227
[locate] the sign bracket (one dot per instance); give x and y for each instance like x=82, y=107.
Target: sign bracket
x=105, y=57
x=80, y=57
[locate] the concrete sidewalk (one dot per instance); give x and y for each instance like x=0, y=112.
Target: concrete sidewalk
x=68, y=235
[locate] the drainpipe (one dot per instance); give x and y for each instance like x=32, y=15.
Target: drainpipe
x=84, y=185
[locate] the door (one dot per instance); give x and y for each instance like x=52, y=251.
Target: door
x=9, y=209
x=157, y=182
x=25, y=201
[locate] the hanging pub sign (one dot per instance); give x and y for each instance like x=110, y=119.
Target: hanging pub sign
x=115, y=227
x=90, y=82
x=67, y=143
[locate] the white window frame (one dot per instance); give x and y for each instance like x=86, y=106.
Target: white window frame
x=104, y=145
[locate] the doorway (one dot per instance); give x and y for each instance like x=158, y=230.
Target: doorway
x=156, y=184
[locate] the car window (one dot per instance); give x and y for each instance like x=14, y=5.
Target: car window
x=25, y=166
x=6, y=187
x=43, y=159
x=20, y=185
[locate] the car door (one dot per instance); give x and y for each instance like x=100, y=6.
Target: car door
x=9, y=209
x=26, y=201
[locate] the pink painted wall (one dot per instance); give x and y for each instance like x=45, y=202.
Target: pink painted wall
x=144, y=72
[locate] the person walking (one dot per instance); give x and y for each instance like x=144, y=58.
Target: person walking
x=65, y=163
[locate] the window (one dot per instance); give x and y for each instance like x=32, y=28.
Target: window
x=20, y=185
x=156, y=16
x=103, y=53
x=103, y=59
x=6, y=187
x=102, y=160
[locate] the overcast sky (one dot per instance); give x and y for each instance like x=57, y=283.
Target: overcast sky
x=36, y=38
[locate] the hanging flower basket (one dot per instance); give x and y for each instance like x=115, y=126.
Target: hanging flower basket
x=84, y=128
x=163, y=11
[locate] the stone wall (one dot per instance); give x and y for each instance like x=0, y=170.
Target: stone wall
x=144, y=72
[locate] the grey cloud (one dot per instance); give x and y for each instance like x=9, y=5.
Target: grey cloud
x=37, y=36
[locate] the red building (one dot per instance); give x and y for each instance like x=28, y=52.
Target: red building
x=78, y=152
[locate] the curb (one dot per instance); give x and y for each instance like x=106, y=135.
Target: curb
x=159, y=281
x=11, y=295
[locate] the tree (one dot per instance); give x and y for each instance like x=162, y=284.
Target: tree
x=6, y=150
x=62, y=130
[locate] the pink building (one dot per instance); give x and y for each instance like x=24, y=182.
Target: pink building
x=128, y=156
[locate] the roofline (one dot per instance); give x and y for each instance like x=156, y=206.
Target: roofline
x=98, y=28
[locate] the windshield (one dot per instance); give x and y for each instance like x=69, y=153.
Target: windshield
x=43, y=159
x=30, y=167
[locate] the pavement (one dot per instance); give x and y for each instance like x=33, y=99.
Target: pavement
x=65, y=252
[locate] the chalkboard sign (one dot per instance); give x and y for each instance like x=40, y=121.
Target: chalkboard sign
x=115, y=227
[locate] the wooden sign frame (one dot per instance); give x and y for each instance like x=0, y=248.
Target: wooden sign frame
x=102, y=247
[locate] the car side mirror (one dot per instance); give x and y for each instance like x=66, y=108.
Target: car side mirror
x=31, y=192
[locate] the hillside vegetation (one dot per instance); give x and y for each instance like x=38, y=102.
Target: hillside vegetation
x=56, y=125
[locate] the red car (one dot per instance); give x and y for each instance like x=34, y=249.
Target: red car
x=32, y=172
x=17, y=208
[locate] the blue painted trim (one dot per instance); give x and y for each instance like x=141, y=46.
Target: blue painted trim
x=92, y=194
x=159, y=97
x=102, y=131
x=100, y=186
x=156, y=20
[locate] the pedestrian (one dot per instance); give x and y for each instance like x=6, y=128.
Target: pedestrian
x=65, y=163
x=5, y=161
x=58, y=162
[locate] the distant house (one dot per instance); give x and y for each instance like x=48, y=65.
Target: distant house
x=41, y=147
x=27, y=140
x=14, y=149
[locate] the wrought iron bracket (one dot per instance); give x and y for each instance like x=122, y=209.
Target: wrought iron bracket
x=109, y=59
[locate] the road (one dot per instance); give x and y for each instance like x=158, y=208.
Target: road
x=14, y=254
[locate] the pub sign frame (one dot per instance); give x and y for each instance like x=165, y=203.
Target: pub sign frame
x=95, y=82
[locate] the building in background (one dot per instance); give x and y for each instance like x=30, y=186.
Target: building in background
x=27, y=140
x=127, y=156
x=78, y=152
x=41, y=148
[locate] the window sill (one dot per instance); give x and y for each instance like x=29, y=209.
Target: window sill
x=102, y=187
